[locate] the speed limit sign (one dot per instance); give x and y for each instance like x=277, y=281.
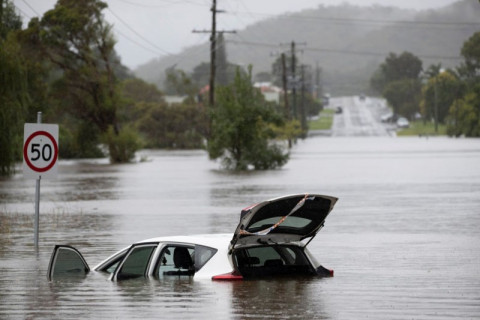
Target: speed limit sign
x=40, y=150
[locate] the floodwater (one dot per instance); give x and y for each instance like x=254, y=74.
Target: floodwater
x=403, y=239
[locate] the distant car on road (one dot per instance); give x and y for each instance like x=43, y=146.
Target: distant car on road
x=403, y=123
x=338, y=110
x=270, y=240
x=388, y=117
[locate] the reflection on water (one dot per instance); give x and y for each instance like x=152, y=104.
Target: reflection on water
x=403, y=238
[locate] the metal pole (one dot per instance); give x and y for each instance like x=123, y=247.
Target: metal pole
x=213, y=39
x=294, y=88
x=37, y=199
x=436, y=103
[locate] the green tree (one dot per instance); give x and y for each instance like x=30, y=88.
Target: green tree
x=179, y=83
x=137, y=90
x=242, y=128
x=181, y=126
x=13, y=88
x=22, y=87
x=395, y=68
x=464, y=114
x=404, y=96
x=173, y=127
x=470, y=68
x=9, y=20
x=403, y=66
x=397, y=79
x=13, y=102
x=438, y=94
x=463, y=117
x=77, y=40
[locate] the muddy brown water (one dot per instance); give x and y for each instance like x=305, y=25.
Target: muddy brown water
x=403, y=239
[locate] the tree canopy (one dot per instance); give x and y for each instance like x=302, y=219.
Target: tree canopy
x=243, y=128
x=464, y=113
x=16, y=83
x=75, y=38
x=397, y=79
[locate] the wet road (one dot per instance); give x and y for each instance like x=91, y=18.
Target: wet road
x=360, y=117
x=403, y=239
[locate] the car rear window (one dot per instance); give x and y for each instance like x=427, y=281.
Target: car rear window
x=290, y=222
x=272, y=260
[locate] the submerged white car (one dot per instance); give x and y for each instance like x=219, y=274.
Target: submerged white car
x=270, y=240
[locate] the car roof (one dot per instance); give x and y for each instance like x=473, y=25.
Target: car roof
x=219, y=240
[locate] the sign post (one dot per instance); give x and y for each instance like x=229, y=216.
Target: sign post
x=40, y=154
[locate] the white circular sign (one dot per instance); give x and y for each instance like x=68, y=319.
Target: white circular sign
x=40, y=149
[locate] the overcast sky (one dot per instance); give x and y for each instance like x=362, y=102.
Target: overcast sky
x=146, y=29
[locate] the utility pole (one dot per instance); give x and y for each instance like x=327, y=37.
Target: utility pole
x=284, y=83
x=435, y=103
x=303, y=117
x=293, y=81
x=318, y=89
x=294, y=88
x=213, y=41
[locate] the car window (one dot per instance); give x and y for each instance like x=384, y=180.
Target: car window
x=135, y=264
x=202, y=255
x=111, y=264
x=272, y=260
x=175, y=261
x=292, y=222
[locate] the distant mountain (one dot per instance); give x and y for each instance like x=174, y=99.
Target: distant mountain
x=347, y=42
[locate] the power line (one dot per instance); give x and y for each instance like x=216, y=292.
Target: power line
x=138, y=34
x=138, y=43
x=166, y=3
x=22, y=12
x=28, y=5
x=338, y=51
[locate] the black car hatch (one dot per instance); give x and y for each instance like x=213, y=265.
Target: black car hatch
x=285, y=219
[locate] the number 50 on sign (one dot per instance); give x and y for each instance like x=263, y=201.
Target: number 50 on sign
x=40, y=150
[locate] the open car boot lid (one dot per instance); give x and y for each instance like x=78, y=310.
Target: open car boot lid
x=280, y=220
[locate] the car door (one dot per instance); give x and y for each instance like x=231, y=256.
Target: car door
x=136, y=262
x=285, y=219
x=68, y=262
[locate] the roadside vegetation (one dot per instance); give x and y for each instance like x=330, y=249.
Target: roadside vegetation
x=244, y=128
x=419, y=128
x=448, y=98
x=323, y=121
x=64, y=64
